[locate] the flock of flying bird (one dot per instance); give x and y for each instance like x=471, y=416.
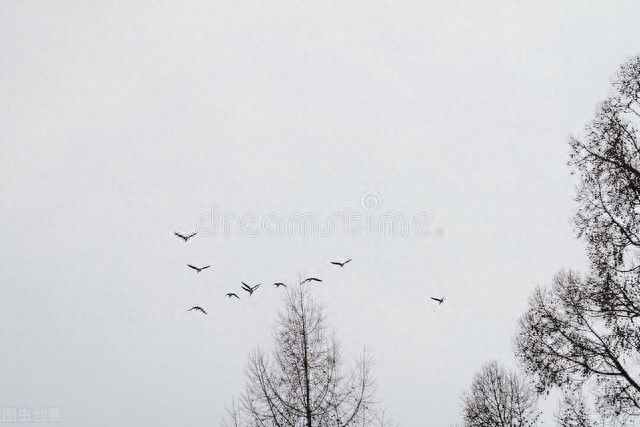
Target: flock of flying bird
x=252, y=289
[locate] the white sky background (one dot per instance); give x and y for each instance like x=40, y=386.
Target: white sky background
x=121, y=122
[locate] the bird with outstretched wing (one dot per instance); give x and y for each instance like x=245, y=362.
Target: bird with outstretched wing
x=250, y=289
x=440, y=300
x=341, y=264
x=198, y=269
x=184, y=237
x=198, y=308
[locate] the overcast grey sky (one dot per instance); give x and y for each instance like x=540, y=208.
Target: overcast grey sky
x=121, y=122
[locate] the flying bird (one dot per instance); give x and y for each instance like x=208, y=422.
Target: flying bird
x=250, y=289
x=197, y=308
x=277, y=285
x=341, y=264
x=231, y=294
x=440, y=300
x=183, y=237
x=198, y=269
x=311, y=279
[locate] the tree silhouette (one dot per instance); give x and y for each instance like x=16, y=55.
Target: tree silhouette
x=584, y=329
x=564, y=340
x=498, y=398
x=302, y=383
x=573, y=411
x=607, y=160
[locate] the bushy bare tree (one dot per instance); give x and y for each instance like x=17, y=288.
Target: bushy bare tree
x=302, y=383
x=564, y=340
x=585, y=328
x=498, y=398
x=607, y=161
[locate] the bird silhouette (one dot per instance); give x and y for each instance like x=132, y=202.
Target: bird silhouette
x=277, y=285
x=341, y=264
x=197, y=308
x=231, y=294
x=311, y=279
x=198, y=269
x=440, y=300
x=250, y=289
x=183, y=237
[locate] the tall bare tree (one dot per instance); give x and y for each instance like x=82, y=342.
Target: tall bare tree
x=584, y=329
x=302, y=383
x=498, y=398
x=607, y=161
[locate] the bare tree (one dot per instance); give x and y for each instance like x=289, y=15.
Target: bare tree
x=574, y=412
x=302, y=383
x=232, y=418
x=498, y=398
x=607, y=160
x=583, y=330
x=564, y=340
